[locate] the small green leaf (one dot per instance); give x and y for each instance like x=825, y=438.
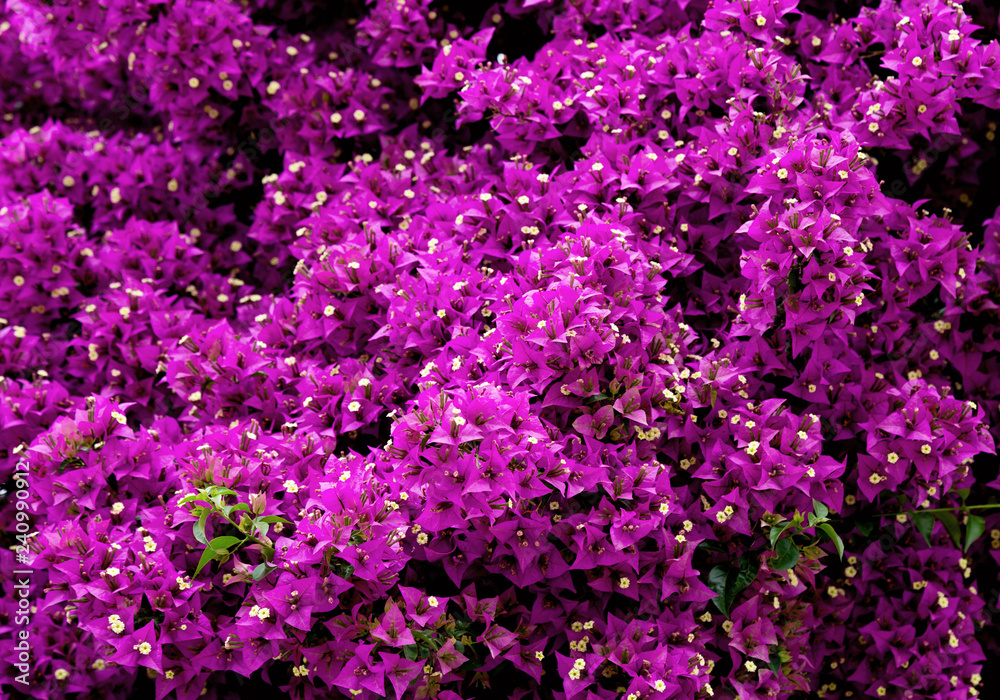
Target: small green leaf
x=975, y=526
x=820, y=509
x=272, y=519
x=717, y=583
x=963, y=494
x=865, y=527
x=775, y=663
x=191, y=497
x=925, y=525
x=950, y=523
x=199, y=528
x=206, y=557
x=717, y=579
x=259, y=572
x=777, y=530
x=710, y=546
x=222, y=544
x=749, y=566
x=786, y=555
x=715, y=394
x=834, y=537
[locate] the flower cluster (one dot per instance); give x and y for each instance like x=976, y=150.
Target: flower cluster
x=599, y=350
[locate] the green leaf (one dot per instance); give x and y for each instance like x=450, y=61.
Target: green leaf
x=777, y=530
x=710, y=546
x=834, y=537
x=730, y=582
x=925, y=525
x=259, y=572
x=975, y=526
x=222, y=544
x=820, y=509
x=950, y=523
x=715, y=395
x=199, y=528
x=865, y=527
x=775, y=663
x=191, y=497
x=717, y=579
x=963, y=494
x=272, y=519
x=717, y=583
x=206, y=557
x=749, y=566
x=786, y=555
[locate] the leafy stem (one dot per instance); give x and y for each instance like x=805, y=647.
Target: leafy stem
x=252, y=526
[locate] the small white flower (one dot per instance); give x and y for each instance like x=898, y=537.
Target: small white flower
x=354, y=406
x=290, y=486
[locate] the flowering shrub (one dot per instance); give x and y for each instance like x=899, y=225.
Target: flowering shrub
x=580, y=351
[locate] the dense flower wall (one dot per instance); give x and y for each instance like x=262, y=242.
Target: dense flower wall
x=562, y=349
